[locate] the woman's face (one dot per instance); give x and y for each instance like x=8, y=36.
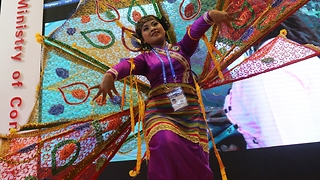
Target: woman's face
x=153, y=33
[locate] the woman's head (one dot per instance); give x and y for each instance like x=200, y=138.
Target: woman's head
x=151, y=31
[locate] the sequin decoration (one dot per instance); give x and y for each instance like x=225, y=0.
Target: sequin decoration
x=66, y=151
x=78, y=93
x=189, y=10
x=85, y=19
x=136, y=16
x=62, y=73
x=247, y=34
x=71, y=31
x=171, y=1
x=276, y=3
x=27, y=149
x=104, y=39
x=116, y=100
x=110, y=15
x=98, y=130
x=56, y=109
x=69, y=159
x=113, y=124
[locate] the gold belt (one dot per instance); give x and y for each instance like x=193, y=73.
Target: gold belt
x=164, y=90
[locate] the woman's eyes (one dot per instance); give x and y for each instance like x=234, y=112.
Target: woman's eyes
x=152, y=24
x=146, y=28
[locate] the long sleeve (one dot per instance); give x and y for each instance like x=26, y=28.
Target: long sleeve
x=191, y=39
x=123, y=68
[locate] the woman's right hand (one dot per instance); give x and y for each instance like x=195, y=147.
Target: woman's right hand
x=105, y=87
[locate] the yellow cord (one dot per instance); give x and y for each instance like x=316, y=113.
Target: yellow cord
x=222, y=168
x=141, y=105
x=215, y=62
x=131, y=95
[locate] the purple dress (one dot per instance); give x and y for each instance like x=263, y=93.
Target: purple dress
x=177, y=141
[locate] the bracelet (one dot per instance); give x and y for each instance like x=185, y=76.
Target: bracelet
x=113, y=72
x=207, y=18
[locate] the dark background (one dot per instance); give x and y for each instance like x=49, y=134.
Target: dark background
x=294, y=162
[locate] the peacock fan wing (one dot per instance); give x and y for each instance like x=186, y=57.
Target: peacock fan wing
x=256, y=19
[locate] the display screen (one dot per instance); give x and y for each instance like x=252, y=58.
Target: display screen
x=272, y=109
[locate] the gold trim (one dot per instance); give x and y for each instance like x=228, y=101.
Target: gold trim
x=171, y=128
x=113, y=71
x=188, y=29
x=206, y=19
x=163, y=86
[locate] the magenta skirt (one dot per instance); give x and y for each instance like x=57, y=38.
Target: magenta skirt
x=175, y=158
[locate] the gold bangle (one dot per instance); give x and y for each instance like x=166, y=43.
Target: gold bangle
x=206, y=19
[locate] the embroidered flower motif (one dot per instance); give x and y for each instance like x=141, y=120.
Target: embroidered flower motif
x=82, y=127
x=85, y=19
x=99, y=101
x=246, y=35
x=71, y=31
x=103, y=38
x=276, y=3
x=136, y=16
x=189, y=10
x=62, y=72
x=66, y=151
x=78, y=93
x=114, y=123
x=27, y=149
x=116, y=100
x=110, y=15
x=56, y=109
x=171, y=1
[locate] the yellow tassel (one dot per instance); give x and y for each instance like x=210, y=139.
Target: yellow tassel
x=283, y=32
x=200, y=98
x=131, y=94
x=222, y=168
x=141, y=106
x=123, y=93
x=39, y=38
x=215, y=62
x=136, y=171
x=13, y=131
